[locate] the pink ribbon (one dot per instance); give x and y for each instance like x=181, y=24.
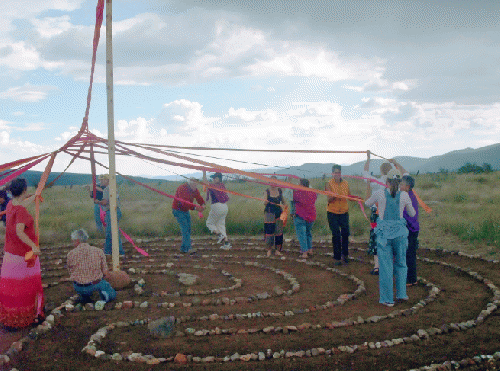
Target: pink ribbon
x=102, y=215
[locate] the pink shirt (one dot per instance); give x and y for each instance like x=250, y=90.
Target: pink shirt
x=305, y=205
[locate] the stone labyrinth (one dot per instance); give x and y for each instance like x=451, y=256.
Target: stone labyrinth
x=241, y=309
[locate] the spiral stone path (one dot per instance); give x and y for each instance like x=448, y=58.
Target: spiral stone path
x=239, y=309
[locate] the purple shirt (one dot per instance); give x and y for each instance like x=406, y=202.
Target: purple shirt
x=216, y=195
x=305, y=205
x=412, y=222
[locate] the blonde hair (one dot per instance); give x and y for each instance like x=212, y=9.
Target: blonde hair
x=385, y=168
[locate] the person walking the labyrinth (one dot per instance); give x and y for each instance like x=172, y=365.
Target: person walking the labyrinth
x=99, y=191
x=305, y=215
x=216, y=220
x=338, y=216
x=374, y=186
x=407, y=184
x=273, y=225
x=104, y=203
x=186, y=192
x=392, y=238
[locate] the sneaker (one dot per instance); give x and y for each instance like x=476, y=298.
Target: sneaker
x=345, y=259
x=374, y=272
x=337, y=263
x=226, y=246
x=390, y=305
x=221, y=238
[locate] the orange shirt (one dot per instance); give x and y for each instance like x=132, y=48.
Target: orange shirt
x=339, y=205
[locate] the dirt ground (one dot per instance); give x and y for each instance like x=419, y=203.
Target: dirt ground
x=284, y=305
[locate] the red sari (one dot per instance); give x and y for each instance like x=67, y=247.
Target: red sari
x=21, y=292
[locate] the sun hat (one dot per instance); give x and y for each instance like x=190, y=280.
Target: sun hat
x=394, y=174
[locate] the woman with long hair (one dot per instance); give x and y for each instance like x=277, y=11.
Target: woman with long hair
x=21, y=292
x=392, y=238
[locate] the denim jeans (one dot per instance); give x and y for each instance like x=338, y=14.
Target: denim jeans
x=184, y=220
x=392, y=260
x=303, y=231
x=108, y=247
x=97, y=217
x=103, y=288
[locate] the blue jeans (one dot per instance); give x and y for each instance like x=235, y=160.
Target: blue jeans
x=103, y=288
x=97, y=217
x=108, y=247
x=303, y=231
x=184, y=220
x=392, y=261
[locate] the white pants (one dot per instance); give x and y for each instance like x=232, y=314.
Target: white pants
x=216, y=220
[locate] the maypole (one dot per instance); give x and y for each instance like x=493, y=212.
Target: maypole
x=111, y=137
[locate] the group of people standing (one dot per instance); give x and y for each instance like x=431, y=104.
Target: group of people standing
x=393, y=242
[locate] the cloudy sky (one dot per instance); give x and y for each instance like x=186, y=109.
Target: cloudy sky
x=412, y=78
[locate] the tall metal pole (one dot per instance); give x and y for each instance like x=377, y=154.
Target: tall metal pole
x=111, y=136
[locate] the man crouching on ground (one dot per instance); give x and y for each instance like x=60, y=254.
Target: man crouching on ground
x=87, y=267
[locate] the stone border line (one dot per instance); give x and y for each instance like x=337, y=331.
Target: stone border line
x=421, y=334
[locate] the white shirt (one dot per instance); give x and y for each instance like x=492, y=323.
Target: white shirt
x=375, y=186
x=379, y=198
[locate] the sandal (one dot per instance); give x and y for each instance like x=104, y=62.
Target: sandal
x=374, y=272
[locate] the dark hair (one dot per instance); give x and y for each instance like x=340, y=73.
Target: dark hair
x=409, y=180
x=3, y=194
x=393, y=186
x=335, y=166
x=304, y=182
x=18, y=186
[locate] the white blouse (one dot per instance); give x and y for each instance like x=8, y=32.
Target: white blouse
x=379, y=198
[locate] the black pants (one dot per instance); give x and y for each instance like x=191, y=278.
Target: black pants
x=411, y=257
x=339, y=225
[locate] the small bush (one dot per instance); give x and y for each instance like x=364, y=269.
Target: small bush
x=460, y=198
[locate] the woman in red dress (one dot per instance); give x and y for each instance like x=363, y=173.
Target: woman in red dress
x=21, y=292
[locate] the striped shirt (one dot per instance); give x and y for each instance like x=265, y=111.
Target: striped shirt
x=86, y=264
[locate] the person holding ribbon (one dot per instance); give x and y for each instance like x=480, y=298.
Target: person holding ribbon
x=185, y=194
x=338, y=215
x=305, y=215
x=21, y=292
x=273, y=225
x=216, y=220
x=104, y=203
x=375, y=184
x=99, y=192
x=392, y=237
x=407, y=184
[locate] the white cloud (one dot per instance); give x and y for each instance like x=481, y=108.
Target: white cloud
x=27, y=93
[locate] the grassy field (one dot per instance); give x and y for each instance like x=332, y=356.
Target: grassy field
x=464, y=206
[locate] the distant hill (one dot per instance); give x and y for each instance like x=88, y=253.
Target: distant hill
x=71, y=179
x=451, y=161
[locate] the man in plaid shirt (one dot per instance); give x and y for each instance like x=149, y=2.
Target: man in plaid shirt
x=87, y=267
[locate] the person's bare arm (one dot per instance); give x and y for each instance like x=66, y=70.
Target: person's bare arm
x=24, y=237
x=398, y=166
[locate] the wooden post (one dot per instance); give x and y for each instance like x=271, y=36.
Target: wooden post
x=111, y=136
x=368, y=188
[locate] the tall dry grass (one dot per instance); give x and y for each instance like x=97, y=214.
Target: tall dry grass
x=465, y=205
